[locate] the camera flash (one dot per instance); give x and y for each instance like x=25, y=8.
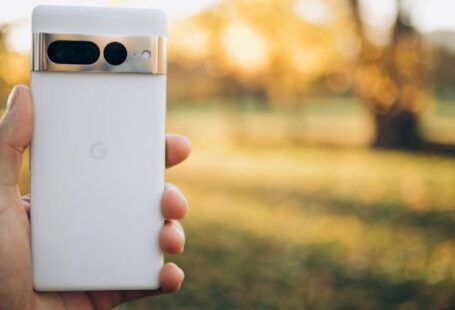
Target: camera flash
x=146, y=54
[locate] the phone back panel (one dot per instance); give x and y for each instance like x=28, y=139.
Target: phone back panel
x=97, y=163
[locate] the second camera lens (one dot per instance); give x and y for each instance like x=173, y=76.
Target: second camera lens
x=115, y=53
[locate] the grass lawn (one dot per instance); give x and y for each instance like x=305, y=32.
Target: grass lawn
x=317, y=227
x=281, y=226
x=278, y=223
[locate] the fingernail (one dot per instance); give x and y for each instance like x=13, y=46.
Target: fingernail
x=182, y=235
x=12, y=98
x=187, y=141
x=179, y=229
x=175, y=189
x=182, y=273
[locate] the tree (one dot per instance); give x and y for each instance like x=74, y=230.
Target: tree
x=255, y=48
x=272, y=50
x=391, y=80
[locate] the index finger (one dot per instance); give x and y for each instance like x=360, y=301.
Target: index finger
x=178, y=148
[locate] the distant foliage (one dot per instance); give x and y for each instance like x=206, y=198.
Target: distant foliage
x=260, y=48
x=14, y=67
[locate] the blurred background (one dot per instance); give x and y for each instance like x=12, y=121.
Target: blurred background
x=323, y=172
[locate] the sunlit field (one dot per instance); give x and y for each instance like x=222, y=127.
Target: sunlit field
x=274, y=225
x=284, y=226
x=318, y=227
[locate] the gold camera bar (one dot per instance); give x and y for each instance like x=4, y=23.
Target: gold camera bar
x=154, y=48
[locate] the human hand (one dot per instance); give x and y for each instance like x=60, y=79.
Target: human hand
x=16, y=284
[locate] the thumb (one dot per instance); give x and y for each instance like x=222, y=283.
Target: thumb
x=16, y=130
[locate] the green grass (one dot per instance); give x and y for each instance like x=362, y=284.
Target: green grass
x=315, y=227
x=276, y=223
x=278, y=226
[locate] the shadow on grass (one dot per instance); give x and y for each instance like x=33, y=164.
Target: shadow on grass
x=230, y=269
x=439, y=226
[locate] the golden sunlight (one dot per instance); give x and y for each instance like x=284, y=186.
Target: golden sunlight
x=189, y=44
x=19, y=37
x=245, y=47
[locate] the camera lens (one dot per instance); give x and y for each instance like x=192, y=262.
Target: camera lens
x=115, y=53
x=73, y=52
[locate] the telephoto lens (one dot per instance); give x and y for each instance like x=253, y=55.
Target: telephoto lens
x=115, y=53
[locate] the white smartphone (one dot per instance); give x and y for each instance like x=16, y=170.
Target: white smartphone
x=98, y=152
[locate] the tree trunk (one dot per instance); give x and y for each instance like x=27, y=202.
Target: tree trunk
x=397, y=131
x=400, y=66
